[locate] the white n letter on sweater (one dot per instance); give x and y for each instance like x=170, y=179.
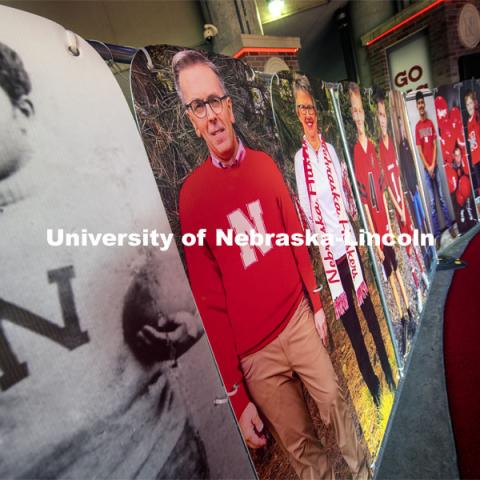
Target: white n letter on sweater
x=241, y=224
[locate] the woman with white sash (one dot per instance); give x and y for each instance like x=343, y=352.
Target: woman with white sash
x=322, y=198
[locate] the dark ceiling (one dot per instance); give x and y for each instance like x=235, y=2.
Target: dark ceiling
x=321, y=54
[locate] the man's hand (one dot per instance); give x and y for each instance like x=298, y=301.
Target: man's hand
x=251, y=427
x=431, y=170
x=380, y=253
x=321, y=325
x=171, y=336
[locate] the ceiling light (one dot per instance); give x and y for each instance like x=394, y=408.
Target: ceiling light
x=275, y=7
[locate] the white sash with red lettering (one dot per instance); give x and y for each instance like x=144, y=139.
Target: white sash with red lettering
x=328, y=173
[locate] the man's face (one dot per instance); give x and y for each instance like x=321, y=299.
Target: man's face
x=421, y=106
x=358, y=114
x=470, y=104
x=382, y=117
x=306, y=112
x=200, y=82
x=14, y=146
x=457, y=157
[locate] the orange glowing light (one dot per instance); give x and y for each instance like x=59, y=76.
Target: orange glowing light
x=404, y=22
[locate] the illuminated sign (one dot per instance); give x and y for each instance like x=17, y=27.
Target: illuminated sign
x=409, y=64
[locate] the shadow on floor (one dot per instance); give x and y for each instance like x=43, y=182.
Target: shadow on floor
x=420, y=443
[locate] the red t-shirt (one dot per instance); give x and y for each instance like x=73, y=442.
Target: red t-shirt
x=425, y=137
x=474, y=139
x=245, y=295
x=370, y=184
x=391, y=170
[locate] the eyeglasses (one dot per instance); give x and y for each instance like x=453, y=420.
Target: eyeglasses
x=304, y=109
x=199, y=107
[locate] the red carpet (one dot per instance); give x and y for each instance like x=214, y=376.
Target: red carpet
x=462, y=360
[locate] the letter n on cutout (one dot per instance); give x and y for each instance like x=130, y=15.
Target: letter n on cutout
x=69, y=335
x=240, y=223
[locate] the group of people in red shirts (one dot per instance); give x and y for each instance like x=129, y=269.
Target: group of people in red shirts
x=454, y=152
x=260, y=305
x=378, y=178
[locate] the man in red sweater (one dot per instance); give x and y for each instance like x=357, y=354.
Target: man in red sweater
x=256, y=302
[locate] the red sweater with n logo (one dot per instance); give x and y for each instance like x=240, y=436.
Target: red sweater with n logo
x=246, y=295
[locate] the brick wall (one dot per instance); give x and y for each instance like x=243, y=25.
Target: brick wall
x=258, y=60
x=445, y=47
x=456, y=49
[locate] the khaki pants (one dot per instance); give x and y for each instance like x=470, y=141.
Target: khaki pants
x=273, y=377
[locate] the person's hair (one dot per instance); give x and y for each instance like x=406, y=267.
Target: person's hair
x=379, y=95
x=14, y=79
x=471, y=94
x=419, y=96
x=188, y=58
x=302, y=84
x=354, y=89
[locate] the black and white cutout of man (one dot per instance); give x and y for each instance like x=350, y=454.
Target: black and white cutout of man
x=87, y=337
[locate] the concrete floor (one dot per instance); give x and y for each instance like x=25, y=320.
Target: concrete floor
x=420, y=443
